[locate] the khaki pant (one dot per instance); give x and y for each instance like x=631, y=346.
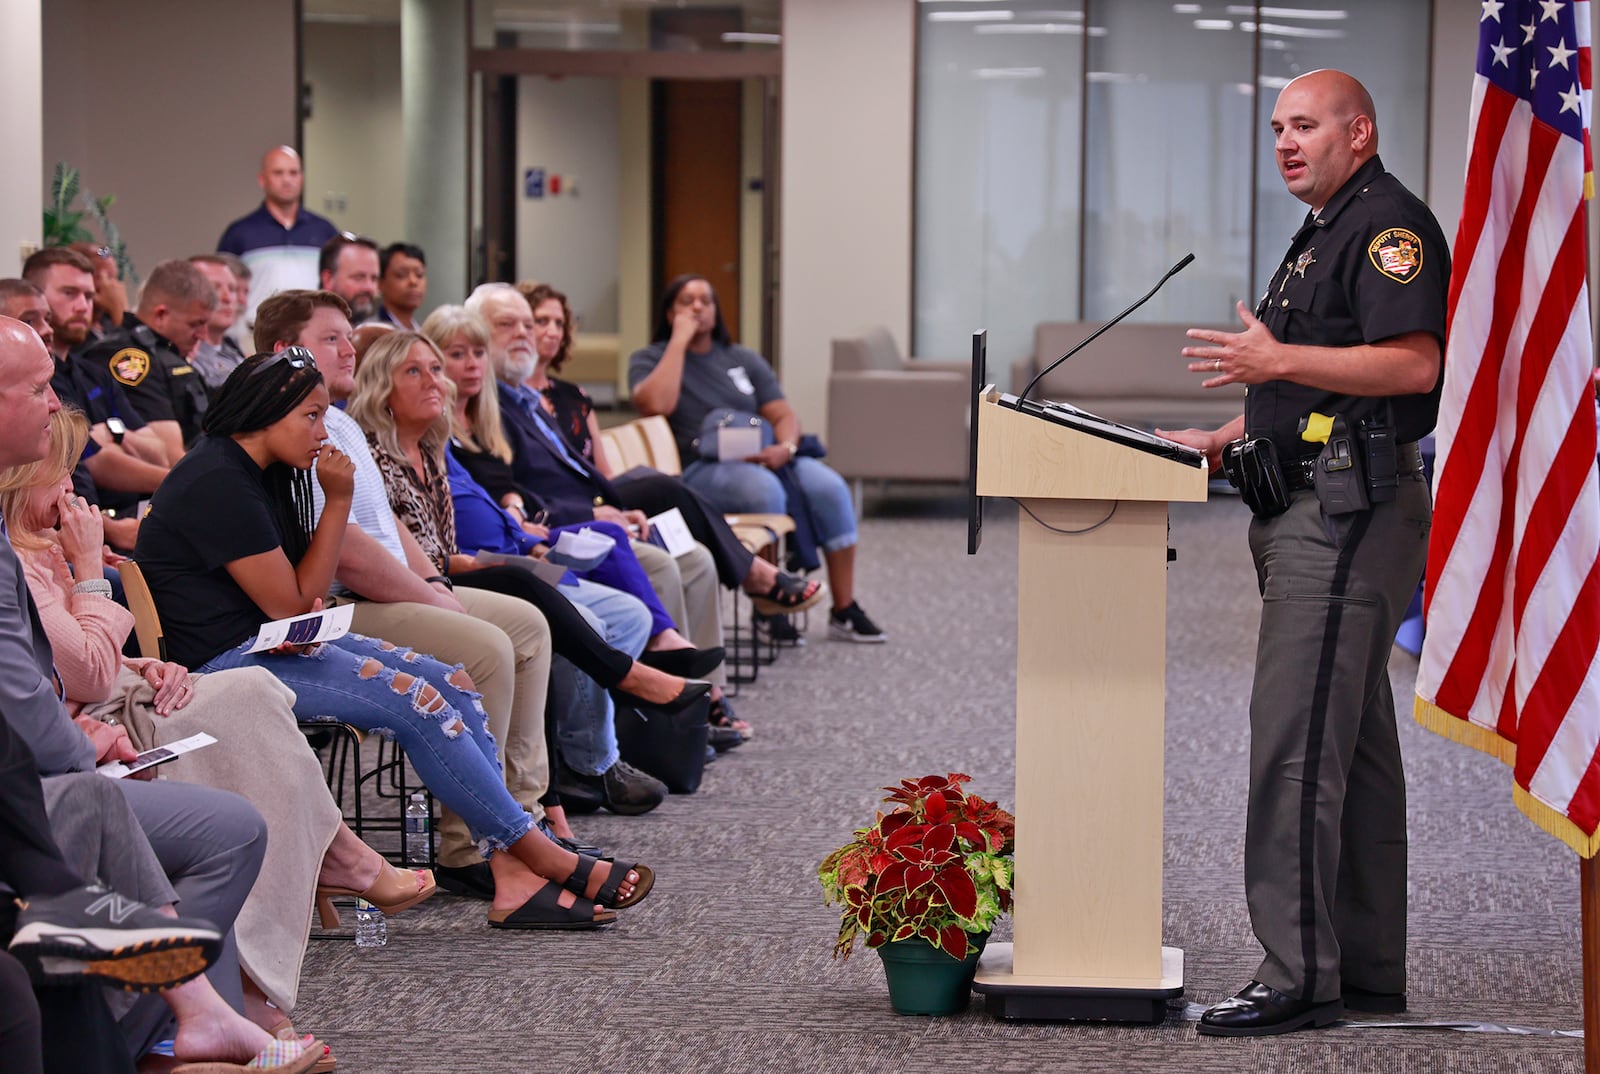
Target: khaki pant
x=1325, y=835
x=687, y=588
x=504, y=644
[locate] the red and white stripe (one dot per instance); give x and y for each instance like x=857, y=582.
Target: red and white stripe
x=1512, y=598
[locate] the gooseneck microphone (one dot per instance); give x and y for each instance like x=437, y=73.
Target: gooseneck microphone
x=1076, y=347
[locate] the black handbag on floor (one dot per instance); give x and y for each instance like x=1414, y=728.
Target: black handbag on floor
x=671, y=746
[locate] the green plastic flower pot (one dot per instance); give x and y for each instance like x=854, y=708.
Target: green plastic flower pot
x=925, y=980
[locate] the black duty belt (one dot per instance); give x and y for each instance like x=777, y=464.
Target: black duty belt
x=1299, y=472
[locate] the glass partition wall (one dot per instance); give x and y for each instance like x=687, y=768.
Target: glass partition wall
x=1070, y=151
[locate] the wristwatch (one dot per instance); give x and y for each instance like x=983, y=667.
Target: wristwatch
x=794, y=448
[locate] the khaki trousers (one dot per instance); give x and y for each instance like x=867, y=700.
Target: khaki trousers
x=688, y=589
x=504, y=644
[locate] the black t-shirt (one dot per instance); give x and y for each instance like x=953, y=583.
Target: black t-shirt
x=211, y=510
x=1371, y=266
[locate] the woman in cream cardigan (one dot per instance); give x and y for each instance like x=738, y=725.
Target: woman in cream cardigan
x=311, y=855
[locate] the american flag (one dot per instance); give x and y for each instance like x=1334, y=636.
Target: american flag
x=1512, y=597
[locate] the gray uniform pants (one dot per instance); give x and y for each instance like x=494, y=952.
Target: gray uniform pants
x=1325, y=839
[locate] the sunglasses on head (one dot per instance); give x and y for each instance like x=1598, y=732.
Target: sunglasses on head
x=297, y=357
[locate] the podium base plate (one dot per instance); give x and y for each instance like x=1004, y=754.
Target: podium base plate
x=1073, y=999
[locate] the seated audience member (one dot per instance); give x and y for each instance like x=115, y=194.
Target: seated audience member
x=401, y=399
x=215, y=354
x=209, y=843
x=217, y=575
x=686, y=585
x=365, y=336
x=280, y=241
x=149, y=355
x=311, y=852
x=503, y=643
x=110, y=294
x=693, y=369
x=130, y=459
x=402, y=284
x=239, y=333
x=348, y=266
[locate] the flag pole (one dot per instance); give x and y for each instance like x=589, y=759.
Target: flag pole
x=1589, y=882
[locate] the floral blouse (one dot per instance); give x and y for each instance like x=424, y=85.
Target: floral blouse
x=422, y=503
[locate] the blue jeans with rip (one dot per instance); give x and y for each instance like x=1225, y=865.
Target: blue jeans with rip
x=586, y=728
x=358, y=680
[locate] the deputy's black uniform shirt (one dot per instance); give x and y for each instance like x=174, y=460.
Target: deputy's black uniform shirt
x=157, y=379
x=1372, y=265
x=89, y=386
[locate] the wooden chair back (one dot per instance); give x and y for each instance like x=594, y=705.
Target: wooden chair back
x=146, y=620
x=662, y=446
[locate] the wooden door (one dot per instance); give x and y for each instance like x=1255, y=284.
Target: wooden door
x=697, y=184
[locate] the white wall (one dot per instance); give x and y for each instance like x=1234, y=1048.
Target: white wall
x=354, y=144
x=178, y=137
x=22, y=192
x=845, y=223
x=570, y=127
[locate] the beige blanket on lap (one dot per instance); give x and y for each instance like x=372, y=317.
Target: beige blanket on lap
x=261, y=755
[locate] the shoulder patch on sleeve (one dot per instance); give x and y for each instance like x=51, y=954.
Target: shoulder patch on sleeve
x=130, y=365
x=1397, y=253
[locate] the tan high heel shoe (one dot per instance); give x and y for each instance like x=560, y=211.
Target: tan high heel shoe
x=394, y=890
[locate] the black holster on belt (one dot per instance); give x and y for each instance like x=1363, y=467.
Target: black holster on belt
x=1252, y=467
x=1340, y=472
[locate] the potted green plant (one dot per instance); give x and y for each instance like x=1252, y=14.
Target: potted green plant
x=924, y=884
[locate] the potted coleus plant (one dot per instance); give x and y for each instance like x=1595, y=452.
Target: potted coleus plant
x=923, y=884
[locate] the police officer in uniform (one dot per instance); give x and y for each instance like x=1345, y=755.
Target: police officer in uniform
x=1343, y=362
x=147, y=356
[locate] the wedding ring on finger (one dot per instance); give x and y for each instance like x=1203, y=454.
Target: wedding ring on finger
x=1216, y=363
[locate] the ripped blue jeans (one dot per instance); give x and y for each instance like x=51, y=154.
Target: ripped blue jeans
x=408, y=697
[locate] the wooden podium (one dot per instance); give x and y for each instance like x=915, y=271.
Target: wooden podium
x=1091, y=665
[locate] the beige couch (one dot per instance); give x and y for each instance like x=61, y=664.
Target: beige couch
x=892, y=418
x=1133, y=374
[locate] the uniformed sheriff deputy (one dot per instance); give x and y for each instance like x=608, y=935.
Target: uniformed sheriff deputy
x=148, y=355
x=1342, y=359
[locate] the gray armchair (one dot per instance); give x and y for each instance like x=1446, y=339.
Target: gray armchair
x=892, y=418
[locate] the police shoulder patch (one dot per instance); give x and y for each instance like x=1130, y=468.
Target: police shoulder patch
x=1397, y=253
x=130, y=365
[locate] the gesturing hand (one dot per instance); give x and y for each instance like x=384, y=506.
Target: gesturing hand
x=1247, y=357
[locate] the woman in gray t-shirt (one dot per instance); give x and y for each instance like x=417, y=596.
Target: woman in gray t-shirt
x=694, y=368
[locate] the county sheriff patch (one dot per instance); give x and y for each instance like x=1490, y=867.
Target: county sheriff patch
x=1397, y=253
x=130, y=365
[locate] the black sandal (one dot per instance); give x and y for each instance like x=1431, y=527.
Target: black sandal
x=721, y=714
x=543, y=910
x=607, y=895
x=790, y=593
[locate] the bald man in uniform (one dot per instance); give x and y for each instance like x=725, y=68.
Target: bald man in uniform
x=1344, y=348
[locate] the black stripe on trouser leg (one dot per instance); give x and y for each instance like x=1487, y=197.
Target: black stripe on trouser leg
x=1310, y=788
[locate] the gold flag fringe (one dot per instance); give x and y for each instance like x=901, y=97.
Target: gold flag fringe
x=1467, y=733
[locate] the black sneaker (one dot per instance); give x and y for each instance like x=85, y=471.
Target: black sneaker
x=95, y=934
x=852, y=624
x=723, y=739
x=629, y=791
x=777, y=628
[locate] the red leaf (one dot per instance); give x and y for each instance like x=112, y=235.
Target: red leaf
x=907, y=836
x=877, y=939
x=929, y=933
x=954, y=941
x=940, y=837
x=958, y=890
x=893, y=878
x=972, y=834
x=934, y=809
x=904, y=932
x=894, y=822
x=916, y=876
x=938, y=859
x=932, y=783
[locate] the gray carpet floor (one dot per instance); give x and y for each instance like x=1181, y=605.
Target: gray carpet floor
x=726, y=967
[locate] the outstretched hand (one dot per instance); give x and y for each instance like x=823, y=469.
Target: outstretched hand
x=1248, y=357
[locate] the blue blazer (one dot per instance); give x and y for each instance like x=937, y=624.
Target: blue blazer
x=566, y=489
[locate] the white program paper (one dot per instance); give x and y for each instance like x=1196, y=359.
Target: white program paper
x=582, y=550
x=159, y=755
x=326, y=625
x=670, y=531
x=543, y=569
x=735, y=442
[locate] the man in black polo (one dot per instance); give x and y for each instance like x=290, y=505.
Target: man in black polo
x=1342, y=357
x=149, y=355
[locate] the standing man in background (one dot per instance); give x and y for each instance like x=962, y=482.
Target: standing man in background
x=1342, y=359
x=280, y=241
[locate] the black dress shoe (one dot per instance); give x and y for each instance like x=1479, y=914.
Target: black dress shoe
x=470, y=881
x=689, y=663
x=1261, y=1011
x=693, y=690
x=1359, y=999
x=572, y=844
x=723, y=739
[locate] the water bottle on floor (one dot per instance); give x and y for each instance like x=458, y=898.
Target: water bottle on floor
x=372, y=928
x=417, y=836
